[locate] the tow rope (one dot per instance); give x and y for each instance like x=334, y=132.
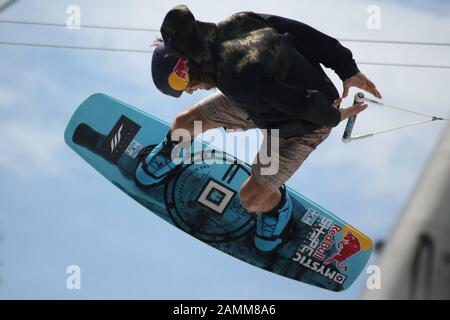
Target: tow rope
x=359, y=97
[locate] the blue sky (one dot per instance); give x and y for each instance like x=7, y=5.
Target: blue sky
x=56, y=211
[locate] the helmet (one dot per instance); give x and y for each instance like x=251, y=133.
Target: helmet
x=170, y=73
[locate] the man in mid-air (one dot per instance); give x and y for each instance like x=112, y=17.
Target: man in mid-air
x=268, y=71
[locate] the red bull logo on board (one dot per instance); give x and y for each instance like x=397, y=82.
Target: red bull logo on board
x=329, y=245
x=348, y=246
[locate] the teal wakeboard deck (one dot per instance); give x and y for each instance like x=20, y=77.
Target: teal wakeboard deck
x=202, y=199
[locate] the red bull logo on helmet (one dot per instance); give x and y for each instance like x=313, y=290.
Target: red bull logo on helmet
x=179, y=77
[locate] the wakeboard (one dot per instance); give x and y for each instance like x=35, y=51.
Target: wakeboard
x=202, y=199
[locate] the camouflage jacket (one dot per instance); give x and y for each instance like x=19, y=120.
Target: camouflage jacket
x=268, y=65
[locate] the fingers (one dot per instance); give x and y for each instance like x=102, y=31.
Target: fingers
x=362, y=82
x=353, y=110
x=370, y=87
x=357, y=108
x=337, y=102
x=376, y=93
x=345, y=93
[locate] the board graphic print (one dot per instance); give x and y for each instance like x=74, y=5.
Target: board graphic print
x=202, y=199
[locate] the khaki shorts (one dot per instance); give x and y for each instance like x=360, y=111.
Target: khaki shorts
x=292, y=152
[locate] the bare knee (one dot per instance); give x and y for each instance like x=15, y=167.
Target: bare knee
x=183, y=120
x=192, y=121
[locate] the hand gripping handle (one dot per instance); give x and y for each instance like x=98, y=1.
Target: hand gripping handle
x=347, y=137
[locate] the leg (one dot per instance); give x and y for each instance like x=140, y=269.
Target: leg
x=256, y=198
x=214, y=111
x=186, y=119
x=274, y=166
x=277, y=160
x=166, y=158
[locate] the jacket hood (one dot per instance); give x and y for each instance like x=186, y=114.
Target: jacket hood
x=190, y=38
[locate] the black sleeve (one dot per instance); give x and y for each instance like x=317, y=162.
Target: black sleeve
x=257, y=90
x=299, y=103
x=316, y=46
